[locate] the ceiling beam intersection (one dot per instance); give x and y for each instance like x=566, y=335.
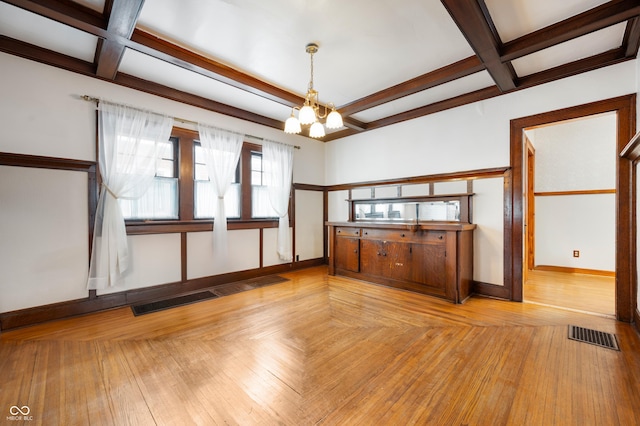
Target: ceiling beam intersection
x=122, y=19
x=479, y=31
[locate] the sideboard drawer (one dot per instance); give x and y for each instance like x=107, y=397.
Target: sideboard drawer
x=347, y=232
x=388, y=234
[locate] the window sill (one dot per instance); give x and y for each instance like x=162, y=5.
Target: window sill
x=177, y=226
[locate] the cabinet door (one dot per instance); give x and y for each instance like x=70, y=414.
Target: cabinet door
x=399, y=260
x=429, y=265
x=373, y=260
x=348, y=254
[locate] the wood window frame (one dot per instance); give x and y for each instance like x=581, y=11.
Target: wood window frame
x=186, y=221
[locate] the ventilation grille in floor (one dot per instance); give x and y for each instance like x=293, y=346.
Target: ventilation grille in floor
x=598, y=338
x=161, y=305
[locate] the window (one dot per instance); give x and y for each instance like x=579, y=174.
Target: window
x=161, y=199
x=204, y=202
x=180, y=200
x=260, y=205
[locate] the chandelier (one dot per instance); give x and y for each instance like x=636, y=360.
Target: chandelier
x=310, y=111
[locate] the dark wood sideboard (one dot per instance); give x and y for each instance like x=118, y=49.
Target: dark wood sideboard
x=430, y=258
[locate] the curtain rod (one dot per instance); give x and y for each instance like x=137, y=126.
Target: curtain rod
x=183, y=120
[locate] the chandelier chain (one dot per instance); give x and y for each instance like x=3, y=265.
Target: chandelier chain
x=311, y=81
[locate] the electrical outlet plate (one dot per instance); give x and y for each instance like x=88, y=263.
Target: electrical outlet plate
x=576, y=253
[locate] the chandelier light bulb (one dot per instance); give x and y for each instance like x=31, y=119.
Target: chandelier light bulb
x=306, y=115
x=292, y=125
x=316, y=130
x=334, y=120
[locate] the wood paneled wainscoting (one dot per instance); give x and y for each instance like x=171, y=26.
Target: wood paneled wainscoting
x=319, y=349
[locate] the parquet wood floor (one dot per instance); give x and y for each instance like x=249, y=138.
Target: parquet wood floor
x=323, y=350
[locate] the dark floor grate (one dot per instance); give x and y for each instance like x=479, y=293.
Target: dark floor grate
x=161, y=305
x=595, y=337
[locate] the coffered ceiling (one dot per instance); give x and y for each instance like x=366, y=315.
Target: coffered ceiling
x=381, y=62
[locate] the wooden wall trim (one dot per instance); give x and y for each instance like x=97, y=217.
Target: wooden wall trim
x=442, y=177
x=30, y=316
x=42, y=162
x=491, y=290
x=581, y=192
x=569, y=270
x=632, y=150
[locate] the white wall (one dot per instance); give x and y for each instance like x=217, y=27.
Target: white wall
x=44, y=243
x=44, y=234
x=309, y=225
x=586, y=223
x=471, y=137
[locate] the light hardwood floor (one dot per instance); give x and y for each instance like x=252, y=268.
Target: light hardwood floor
x=583, y=292
x=323, y=350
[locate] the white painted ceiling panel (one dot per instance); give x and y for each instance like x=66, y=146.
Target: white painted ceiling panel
x=26, y=26
x=515, y=18
x=148, y=68
x=572, y=50
x=364, y=47
x=471, y=83
x=97, y=5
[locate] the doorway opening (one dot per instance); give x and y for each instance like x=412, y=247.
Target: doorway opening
x=624, y=108
x=569, y=214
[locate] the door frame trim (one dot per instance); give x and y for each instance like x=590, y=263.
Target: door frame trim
x=625, y=107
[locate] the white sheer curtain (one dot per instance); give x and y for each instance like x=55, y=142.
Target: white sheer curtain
x=127, y=145
x=221, y=153
x=278, y=168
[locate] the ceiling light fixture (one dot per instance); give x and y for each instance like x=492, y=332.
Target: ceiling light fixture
x=310, y=111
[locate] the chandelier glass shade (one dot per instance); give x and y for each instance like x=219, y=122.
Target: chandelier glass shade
x=310, y=112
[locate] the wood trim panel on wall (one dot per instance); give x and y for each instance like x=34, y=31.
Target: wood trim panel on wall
x=93, y=302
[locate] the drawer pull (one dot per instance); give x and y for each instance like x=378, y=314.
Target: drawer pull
x=402, y=235
x=440, y=237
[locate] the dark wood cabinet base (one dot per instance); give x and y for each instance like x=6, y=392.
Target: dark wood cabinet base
x=434, y=259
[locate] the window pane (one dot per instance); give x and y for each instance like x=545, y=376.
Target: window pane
x=159, y=202
x=205, y=201
x=204, y=207
x=256, y=178
x=256, y=168
x=201, y=172
x=260, y=205
x=165, y=168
